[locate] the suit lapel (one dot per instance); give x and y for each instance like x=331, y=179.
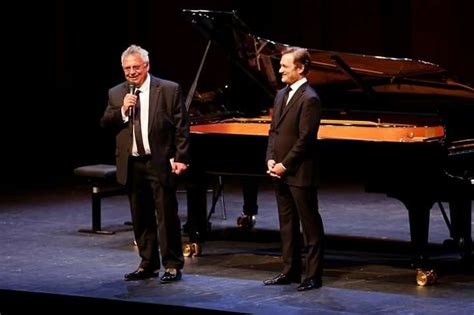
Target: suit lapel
x=294, y=99
x=279, y=103
x=155, y=90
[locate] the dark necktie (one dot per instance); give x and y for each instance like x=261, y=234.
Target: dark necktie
x=138, y=126
x=285, y=99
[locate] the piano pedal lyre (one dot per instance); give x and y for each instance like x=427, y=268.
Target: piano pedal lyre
x=426, y=277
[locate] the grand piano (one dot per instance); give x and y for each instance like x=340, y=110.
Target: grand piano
x=401, y=127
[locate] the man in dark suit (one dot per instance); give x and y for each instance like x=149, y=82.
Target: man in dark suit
x=291, y=161
x=152, y=126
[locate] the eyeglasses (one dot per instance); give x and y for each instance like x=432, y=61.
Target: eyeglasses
x=134, y=68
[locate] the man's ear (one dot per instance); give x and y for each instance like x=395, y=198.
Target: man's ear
x=300, y=69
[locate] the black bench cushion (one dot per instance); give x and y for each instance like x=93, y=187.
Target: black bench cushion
x=98, y=171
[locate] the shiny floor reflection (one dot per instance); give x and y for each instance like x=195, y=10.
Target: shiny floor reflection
x=46, y=263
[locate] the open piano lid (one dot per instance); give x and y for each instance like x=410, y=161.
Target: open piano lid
x=341, y=79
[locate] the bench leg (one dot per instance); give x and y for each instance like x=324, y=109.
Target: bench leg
x=96, y=214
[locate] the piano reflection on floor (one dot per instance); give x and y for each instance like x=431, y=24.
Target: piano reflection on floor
x=399, y=126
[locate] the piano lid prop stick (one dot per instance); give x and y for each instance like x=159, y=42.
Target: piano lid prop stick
x=189, y=98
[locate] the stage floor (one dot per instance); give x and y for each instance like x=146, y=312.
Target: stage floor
x=48, y=265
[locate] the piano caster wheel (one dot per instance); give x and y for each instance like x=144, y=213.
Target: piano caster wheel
x=192, y=249
x=197, y=249
x=187, y=250
x=426, y=277
x=246, y=221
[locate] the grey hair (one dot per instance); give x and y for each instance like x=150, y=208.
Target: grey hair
x=135, y=50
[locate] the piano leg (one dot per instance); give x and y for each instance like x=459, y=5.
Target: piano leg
x=250, y=185
x=419, y=218
x=460, y=213
x=196, y=226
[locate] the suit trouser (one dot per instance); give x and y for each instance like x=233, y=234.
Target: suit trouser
x=295, y=205
x=154, y=210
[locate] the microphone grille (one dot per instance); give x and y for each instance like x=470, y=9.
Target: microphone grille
x=131, y=87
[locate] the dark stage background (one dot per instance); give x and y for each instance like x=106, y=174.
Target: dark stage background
x=90, y=37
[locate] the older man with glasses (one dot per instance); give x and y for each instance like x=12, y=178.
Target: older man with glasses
x=152, y=138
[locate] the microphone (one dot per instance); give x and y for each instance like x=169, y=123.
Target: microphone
x=131, y=89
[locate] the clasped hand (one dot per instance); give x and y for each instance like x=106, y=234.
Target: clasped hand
x=275, y=169
x=178, y=167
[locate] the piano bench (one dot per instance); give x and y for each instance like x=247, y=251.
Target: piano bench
x=101, y=178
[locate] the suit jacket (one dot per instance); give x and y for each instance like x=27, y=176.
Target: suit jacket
x=168, y=128
x=293, y=135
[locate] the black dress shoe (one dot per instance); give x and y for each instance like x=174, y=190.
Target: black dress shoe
x=140, y=274
x=171, y=275
x=309, y=284
x=282, y=279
